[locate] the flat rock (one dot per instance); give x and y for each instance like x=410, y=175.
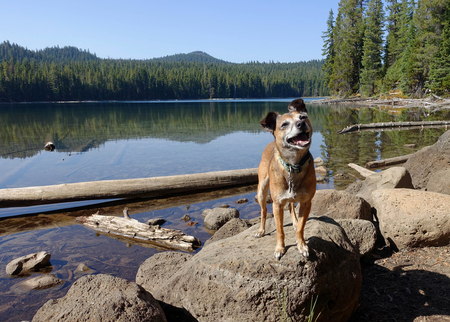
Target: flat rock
x=217, y=217
x=238, y=279
x=439, y=181
x=422, y=164
x=28, y=263
x=42, y=281
x=413, y=218
x=102, y=298
x=362, y=234
x=395, y=177
x=340, y=204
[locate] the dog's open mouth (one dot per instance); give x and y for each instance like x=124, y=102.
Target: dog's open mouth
x=301, y=140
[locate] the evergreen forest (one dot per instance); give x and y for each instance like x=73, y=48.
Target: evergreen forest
x=373, y=47
x=71, y=74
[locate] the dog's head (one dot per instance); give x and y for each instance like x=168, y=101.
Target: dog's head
x=291, y=130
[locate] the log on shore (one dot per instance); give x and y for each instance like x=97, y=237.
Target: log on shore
x=128, y=188
x=132, y=229
x=387, y=162
x=358, y=127
x=363, y=171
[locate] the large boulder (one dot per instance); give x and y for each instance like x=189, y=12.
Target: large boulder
x=340, y=204
x=439, y=181
x=413, y=218
x=217, y=217
x=396, y=177
x=28, y=262
x=422, y=164
x=102, y=298
x=238, y=279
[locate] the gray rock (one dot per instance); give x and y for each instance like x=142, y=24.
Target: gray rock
x=396, y=177
x=319, y=161
x=238, y=279
x=156, y=270
x=42, y=282
x=413, y=218
x=27, y=263
x=82, y=268
x=217, y=217
x=231, y=228
x=362, y=234
x=422, y=164
x=354, y=187
x=102, y=298
x=39, y=282
x=156, y=221
x=439, y=181
x=340, y=204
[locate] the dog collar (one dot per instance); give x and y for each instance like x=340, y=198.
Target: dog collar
x=295, y=168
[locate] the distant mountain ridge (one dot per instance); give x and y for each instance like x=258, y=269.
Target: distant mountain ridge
x=193, y=57
x=68, y=53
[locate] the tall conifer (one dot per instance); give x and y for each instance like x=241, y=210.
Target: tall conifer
x=372, y=48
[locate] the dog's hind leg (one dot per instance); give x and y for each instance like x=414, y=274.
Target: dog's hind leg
x=263, y=190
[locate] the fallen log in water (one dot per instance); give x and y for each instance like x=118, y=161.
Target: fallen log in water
x=387, y=162
x=135, y=230
x=358, y=127
x=363, y=171
x=128, y=188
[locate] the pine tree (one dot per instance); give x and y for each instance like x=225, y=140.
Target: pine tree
x=348, y=38
x=440, y=67
x=372, y=48
x=328, y=50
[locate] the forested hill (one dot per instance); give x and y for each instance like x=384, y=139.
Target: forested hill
x=194, y=57
x=58, y=55
x=71, y=74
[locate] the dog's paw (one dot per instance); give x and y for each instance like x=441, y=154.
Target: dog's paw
x=279, y=252
x=260, y=233
x=303, y=249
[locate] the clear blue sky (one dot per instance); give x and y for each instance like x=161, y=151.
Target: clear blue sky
x=233, y=30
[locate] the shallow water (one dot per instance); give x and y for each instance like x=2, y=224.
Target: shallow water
x=100, y=141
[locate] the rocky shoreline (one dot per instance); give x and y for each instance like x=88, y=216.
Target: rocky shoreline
x=364, y=241
x=431, y=103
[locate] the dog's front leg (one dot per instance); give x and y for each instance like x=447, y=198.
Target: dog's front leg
x=278, y=213
x=305, y=208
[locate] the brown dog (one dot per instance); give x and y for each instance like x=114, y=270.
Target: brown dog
x=287, y=169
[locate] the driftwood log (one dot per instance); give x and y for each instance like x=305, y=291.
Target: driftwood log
x=134, y=230
x=370, y=126
x=129, y=188
x=387, y=162
x=363, y=171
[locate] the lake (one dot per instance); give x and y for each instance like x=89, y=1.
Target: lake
x=123, y=140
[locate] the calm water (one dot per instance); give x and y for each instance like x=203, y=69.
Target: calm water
x=102, y=141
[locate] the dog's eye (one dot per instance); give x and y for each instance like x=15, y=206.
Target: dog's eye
x=303, y=116
x=284, y=124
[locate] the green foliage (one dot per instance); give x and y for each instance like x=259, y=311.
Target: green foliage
x=372, y=48
x=68, y=74
x=416, y=47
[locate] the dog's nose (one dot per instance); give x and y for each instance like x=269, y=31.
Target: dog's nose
x=300, y=124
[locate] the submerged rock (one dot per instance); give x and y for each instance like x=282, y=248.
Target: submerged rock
x=27, y=263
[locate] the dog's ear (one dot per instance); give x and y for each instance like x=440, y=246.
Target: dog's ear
x=297, y=105
x=269, y=123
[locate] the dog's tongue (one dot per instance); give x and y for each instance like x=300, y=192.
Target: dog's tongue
x=301, y=139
